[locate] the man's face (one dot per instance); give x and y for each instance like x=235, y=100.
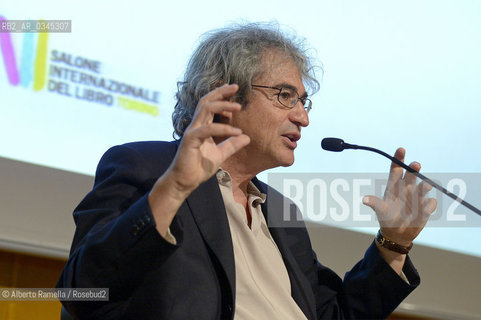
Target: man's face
x=273, y=128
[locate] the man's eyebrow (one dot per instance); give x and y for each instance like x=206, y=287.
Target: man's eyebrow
x=290, y=86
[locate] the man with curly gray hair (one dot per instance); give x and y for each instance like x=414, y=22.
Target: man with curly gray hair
x=235, y=57
x=180, y=230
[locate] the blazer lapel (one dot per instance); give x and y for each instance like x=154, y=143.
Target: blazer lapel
x=207, y=207
x=300, y=287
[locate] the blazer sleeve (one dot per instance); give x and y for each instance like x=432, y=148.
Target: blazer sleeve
x=116, y=242
x=371, y=290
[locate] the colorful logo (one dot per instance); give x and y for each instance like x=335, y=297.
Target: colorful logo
x=69, y=75
x=32, y=67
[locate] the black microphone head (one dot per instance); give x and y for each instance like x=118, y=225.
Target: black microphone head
x=332, y=144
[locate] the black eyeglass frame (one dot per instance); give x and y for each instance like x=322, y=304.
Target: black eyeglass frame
x=304, y=100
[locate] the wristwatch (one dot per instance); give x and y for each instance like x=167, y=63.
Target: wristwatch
x=391, y=245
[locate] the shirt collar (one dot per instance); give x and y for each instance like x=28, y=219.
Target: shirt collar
x=224, y=178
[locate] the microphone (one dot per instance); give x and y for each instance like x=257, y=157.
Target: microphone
x=338, y=145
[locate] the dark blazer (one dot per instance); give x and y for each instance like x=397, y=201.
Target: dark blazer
x=117, y=246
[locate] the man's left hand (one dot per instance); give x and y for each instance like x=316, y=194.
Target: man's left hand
x=404, y=210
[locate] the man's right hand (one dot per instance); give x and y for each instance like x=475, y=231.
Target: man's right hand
x=198, y=156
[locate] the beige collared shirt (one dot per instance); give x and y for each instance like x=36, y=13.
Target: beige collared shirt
x=263, y=288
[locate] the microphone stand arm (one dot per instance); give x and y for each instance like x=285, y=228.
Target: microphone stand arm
x=416, y=173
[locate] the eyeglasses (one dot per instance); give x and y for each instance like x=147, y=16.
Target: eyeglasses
x=288, y=97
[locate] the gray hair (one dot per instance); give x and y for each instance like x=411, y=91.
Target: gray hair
x=234, y=55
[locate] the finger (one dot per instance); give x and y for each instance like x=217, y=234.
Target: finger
x=205, y=113
x=425, y=208
x=410, y=178
x=223, y=93
x=429, y=205
x=233, y=145
x=226, y=115
x=376, y=204
x=212, y=130
x=399, y=154
x=395, y=173
x=424, y=188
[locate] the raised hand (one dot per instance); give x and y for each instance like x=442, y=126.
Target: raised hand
x=404, y=210
x=205, y=145
x=199, y=156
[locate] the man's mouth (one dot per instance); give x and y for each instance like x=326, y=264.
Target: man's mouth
x=291, y=139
